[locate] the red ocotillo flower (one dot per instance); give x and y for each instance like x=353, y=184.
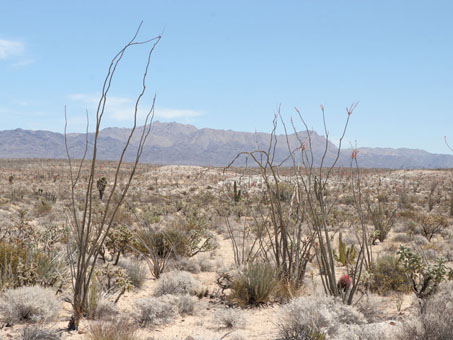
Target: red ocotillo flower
x=344, y=283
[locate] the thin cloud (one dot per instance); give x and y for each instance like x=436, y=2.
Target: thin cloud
x=9, y=48
x=122, y=108
x=22, y=63
x=175, y=113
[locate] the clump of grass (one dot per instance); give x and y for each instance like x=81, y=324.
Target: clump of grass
x=230, y=318
x=254, y=284
x=38, y=333
x=122, y=329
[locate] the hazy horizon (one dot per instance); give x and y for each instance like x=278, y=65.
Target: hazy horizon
x=229, y=66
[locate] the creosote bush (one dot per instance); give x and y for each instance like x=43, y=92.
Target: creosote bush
x=29, y=304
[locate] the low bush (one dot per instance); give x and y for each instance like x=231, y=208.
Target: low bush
x=316, y=318
x=254, y=284
x=122, y=329
x=186, y=304
x=38, y=333
x=437, y=317
x=432, y=225
x=188, y=265
x=163, y=309
x=177, y=283
x=156, y=310
x=23, y=265
x=30, y=304
x=135, y=270
x=424, y=277
x=436, y=320
x=230, y=318
x=388, y=275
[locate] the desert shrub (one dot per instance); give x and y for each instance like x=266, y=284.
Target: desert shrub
x=113, y=281
x=400, y=227
x=122, y=329
x=25, y=265
x=98, y=304
x=388, y=275
x=153, y=214
x=230, y=318
x=11, y=254
x=193, y=233
x=105, y=309
x=285, y=190
x=316, y=318
x=347, y=200
x=156, y=310
x=434, y=323
x=32, y=304
x=253, y=284
x=188, y=265
x=432, y=224
x=368, y=306
x=177, y=283
x=118, y=242
x=437, y=317
x=38, y=333
x=207, y=264
x=382, y=216
x=186, y=304
x=43, y=207
x=152, y=244
x=402, y=238
x=135, y=271
x=420, y=240
x=425, y=278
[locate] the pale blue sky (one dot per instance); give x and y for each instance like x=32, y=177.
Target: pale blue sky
x=229, y=64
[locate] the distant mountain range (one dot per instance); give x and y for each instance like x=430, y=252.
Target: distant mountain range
x=174, y=143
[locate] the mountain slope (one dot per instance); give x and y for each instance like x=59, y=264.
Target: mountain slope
x=174, y=143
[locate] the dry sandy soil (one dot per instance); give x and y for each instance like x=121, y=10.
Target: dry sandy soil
x=26, y=185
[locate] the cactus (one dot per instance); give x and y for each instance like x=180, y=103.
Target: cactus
x=101, y=184
x=236, y=192
x=345, y=255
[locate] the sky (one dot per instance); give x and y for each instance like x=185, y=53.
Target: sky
x=232, y=64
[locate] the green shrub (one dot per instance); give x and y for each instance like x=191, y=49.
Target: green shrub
x=43, y=207
x=254, y=284
x=22, y=265
x=425, y=278
x=389, y=275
